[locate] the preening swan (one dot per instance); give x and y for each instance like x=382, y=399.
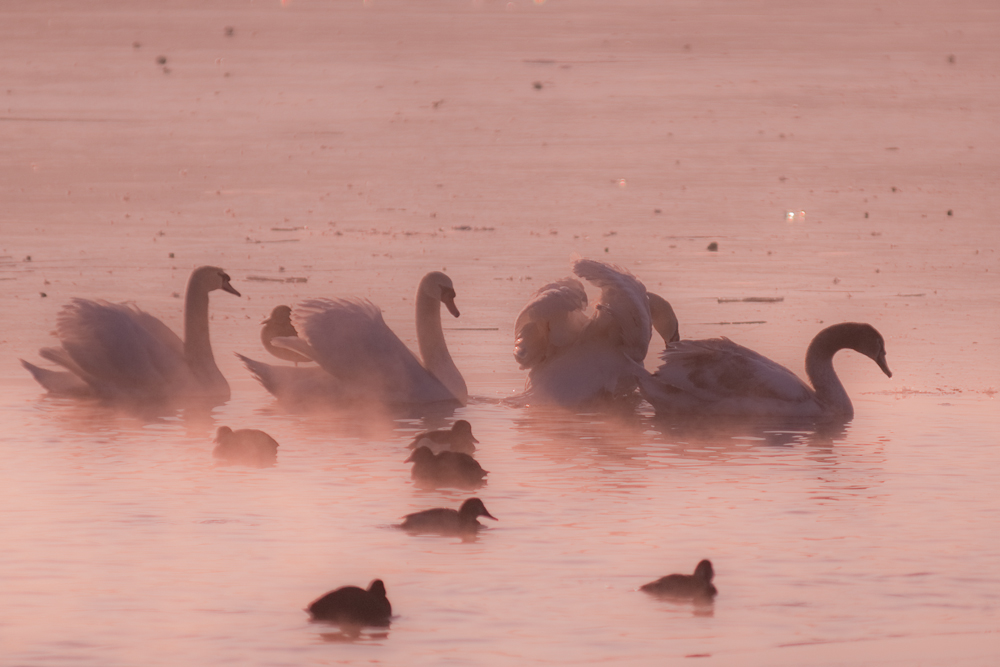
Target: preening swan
x=117, y=352
x=664, y=319
x=718, y=377
x=279, y=324
x=360, y=357
x=573, y=356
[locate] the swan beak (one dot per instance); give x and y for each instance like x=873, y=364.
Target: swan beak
x=884, y=366
x=448, y=298
x=226, y=287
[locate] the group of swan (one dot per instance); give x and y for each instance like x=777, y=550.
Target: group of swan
x=573, y=356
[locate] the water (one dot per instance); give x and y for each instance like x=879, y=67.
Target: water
x=358, y=146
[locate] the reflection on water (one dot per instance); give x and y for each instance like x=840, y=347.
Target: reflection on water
x=354, y=635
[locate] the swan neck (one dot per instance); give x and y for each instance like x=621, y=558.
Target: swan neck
x=197, y=346
x=829, y=389
x=433, y=349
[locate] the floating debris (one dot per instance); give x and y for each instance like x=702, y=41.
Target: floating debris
x=264, y=279
x=751, y=299
x=727, y=323
x=469, y=228
x=909, y=295
x=713, y=247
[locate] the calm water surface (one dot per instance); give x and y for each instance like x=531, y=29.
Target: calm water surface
x=356, y=147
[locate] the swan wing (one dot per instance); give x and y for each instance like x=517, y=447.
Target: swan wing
x=551, y=321
x=294, y=344
x=717, y=369
x=622, y=318
x=350, y=340
x=121, y=350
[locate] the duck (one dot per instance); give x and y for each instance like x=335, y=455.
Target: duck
x=717, y=377
x=361, y=359
x=694, y=586
x=446, y=521
x=574, y=356
x=119, y=353
x=352, y=605
x=279, y=324
x=246, y=446
x=445, y=469
x=458, y=438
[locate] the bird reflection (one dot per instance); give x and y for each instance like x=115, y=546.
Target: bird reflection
x=354, y=634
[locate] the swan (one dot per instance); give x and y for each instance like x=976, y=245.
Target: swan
x=246, y=446
x=664, y=319
x=718, y=377
x=458, y=438
x=573, y=356
x=446, y=521
x=278, y=324
x=698, y=585
x=445, y=469
x=353, y=605
x=360, y=357
x=117, y=352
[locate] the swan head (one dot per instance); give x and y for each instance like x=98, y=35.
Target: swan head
x=463, y=430
x=222, y=433
x=438, y=286
x=866, y=339
x=474, y=507
x=704, y=571
x=664, y=320
x=209, y=278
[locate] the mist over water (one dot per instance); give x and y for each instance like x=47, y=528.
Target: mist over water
x=842, y=158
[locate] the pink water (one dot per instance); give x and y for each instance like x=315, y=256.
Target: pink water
x=358, y=146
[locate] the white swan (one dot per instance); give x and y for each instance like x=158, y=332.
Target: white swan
x=117, y=352
x=718, y=377
x=573, y=356
x=360, y=357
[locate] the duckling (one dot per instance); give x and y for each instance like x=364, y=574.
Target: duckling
x=446, y=521
x=279, y=324
x=353, y=605
x=695, y=586
x=458, y=439
x=446, y=468
x=246, y=446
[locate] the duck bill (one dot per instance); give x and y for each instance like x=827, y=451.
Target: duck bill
x=448, y=299
x=489, y=516
x=883, y=365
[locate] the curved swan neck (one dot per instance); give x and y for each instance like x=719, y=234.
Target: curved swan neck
x=197, y=346
x=433, y=349
x=819, y=367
